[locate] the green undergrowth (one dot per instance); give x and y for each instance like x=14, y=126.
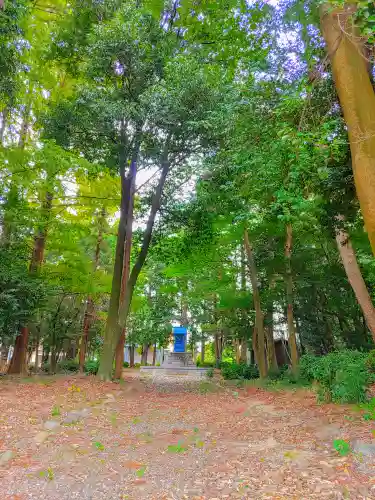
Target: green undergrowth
x=341, y=377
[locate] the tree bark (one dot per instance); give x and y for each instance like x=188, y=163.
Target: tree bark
x=289, y=295
x=4, y=351
x=154, y=356
x=87, y=320
x=37, y=343
x=144, y=354
x=155, y=205
x=18, y=362
x=131, y=356
x=259, y=344
x=34, y=268
x=271, y=352
x=346, y=49
x=353, y=272
x=117, y=318
x=119, y=355
x=112, y=329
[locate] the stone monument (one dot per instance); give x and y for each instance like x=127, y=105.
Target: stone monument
x=178, y=362
x=179, y=357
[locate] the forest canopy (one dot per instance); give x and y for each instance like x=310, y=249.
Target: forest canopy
x=210, y=164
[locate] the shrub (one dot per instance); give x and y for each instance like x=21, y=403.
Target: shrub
x=68, y=366
x=45, y=368
x=92, y=367
x=125, y=364
x=205, y=364
x=210, y=372
x=370, y=361
x=278, y=373
x=137, y=365
x=232, y=371
x=342, y=376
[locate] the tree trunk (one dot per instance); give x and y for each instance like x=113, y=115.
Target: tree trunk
x=289, y=295
x=217, y=350
x=45, y=357
x=87, y=320
x=237, y=350
x=355, y=278
x=112, y=329
x=155, y=205
x=131, y=356
x=37, y=343
x=54, y=357
x=119, y=355
x=34, y=268
x=144, y=354
x=259, y=325
x=271, y=352
x=18, y=362
x=154, y=356
x=4, y=352
x=85, y=333
x=346, y=49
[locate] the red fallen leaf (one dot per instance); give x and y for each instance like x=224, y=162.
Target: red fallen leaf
x=178, y=431
x=132, y=465
x=240, y=409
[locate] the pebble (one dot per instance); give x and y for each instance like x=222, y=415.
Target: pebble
x=41, y=437
x=367, y=449
x=51, y=425
x=6, y=456
x=76, y=415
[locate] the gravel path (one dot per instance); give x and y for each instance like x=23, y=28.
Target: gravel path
x=75, y=438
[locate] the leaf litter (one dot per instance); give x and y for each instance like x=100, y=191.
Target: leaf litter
x=251, y=445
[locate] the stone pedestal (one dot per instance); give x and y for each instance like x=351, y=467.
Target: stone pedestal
x=178, y=360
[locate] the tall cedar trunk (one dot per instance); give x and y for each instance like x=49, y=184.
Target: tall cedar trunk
x=112, y=329
x=45, y=356
x=54, y=358
x=144, y=354
x=4, y=351
x=155, y=205
x=218, y=350
x=217, y=335
x=119, y=354
x=37, y=344
x=18, y=361
x=243, y=355
x=131, y=356
x=87, y=320
x=355, y=278
x=203, y=349
x=154, y=356
x=271, y=352
x=19, y=364
x=259, y=345
x=237, y=350
x=255, y=345
x=346, y=49
x=289, y=296
x=117, y=318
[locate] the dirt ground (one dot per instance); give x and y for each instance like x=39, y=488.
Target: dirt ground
x=76, y=438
